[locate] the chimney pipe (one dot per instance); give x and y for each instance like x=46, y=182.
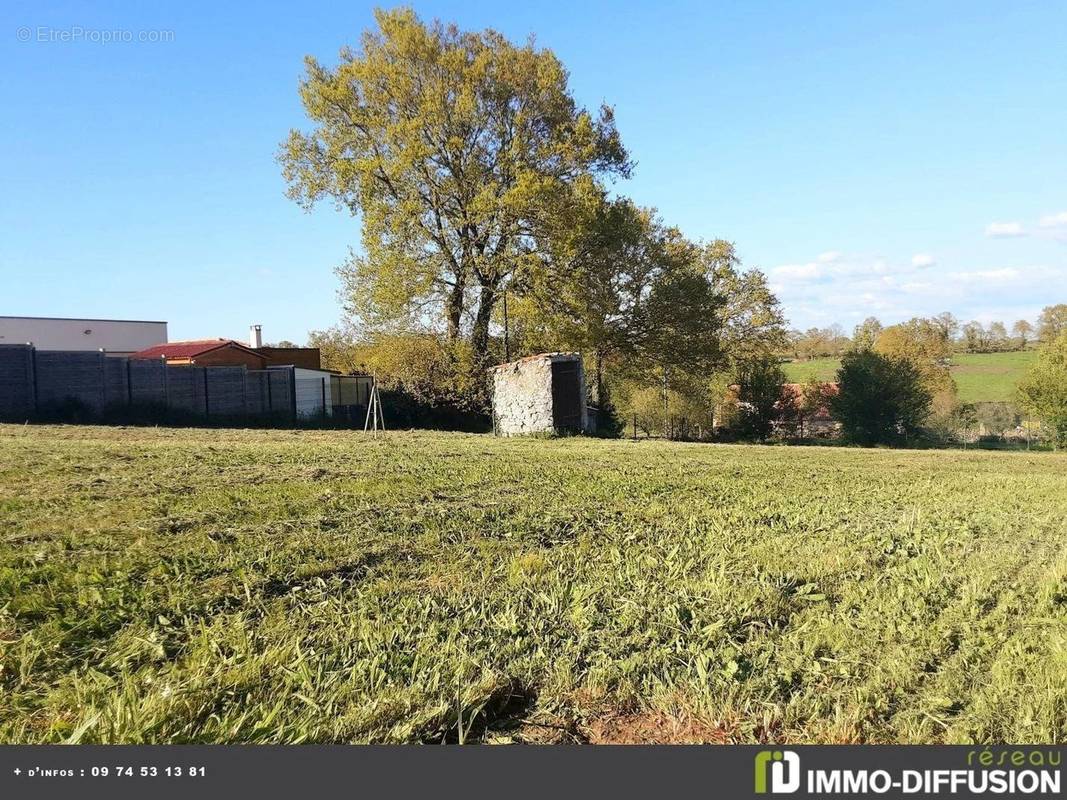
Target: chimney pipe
x=255, y=335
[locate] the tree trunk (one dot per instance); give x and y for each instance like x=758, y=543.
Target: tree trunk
x=598, y=385
x=454, y=309
x=666, y=407
x=480, y=332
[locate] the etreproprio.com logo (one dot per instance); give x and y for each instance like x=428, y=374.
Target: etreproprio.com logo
x=780, y=772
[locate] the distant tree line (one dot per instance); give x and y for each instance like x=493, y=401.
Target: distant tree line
x=969, y=337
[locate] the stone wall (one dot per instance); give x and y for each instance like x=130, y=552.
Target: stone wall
x=522, y=395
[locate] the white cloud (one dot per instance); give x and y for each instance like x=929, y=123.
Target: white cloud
x=915, y=287
x=797, y=272
x=987, y=275
x=1004, y=230
x=922, y=260
x=1053, y=220
x=819, y=293
x=829, y=257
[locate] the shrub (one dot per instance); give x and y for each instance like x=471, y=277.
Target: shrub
x=760, y=400
x=1043, y=391
x=880, y=399
x=425, y=367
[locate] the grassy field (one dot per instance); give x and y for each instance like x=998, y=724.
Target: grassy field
x=980, y=377
x=301, y=586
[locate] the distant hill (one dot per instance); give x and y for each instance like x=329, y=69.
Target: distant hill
x=980, y=377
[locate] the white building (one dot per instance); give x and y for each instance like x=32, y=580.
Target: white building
x=314, y=392
x=117, y=337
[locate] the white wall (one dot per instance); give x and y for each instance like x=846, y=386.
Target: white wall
x=117, y=337
x=309, y=392
x=522, y=396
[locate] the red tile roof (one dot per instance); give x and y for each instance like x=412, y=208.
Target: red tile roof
x=189, y=349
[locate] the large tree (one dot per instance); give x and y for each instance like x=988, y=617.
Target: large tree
x=760, y=398
x=947, y=324
x=975, y=338
x=458, y=150
x=1052, y=322
x=1023, y=332
x=923, y=344
x=1043, y=392
x=880, y=398
x=752, y=325
x=866, y=333
x=621, y=286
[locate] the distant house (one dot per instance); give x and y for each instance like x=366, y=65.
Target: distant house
x=207, y=353
x=302, y=357
x=115, y=337
x=817, y=422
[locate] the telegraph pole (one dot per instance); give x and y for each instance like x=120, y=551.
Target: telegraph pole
x=507, y=345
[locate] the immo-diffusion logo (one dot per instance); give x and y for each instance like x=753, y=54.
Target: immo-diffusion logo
x=784, y=769
x=1017, y=771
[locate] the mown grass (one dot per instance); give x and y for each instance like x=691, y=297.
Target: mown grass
x=316, y=586
x=979, y=377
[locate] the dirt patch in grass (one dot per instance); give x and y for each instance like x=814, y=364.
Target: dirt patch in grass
x=654, y=727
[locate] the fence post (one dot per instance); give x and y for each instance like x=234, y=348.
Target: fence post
x=166, y=384
x=33, y=369
x=129, y=385
x=292, y=390
x=323, y=399
x=207, y=402
x=103, y=380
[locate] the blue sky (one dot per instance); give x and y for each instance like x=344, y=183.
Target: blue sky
x=891, y=159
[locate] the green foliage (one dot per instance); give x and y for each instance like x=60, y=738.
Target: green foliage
x=997, y=418
x=630, y=289
x=866, y=334
x=752, y=322
x=429, y=369
x=323, y=587
x=1043, y=391
x=880, y=399
x=760, y=400
x=1052, y=323
x=609, y=422
x=963, y=422
x=922, y=343
x=459, y=151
